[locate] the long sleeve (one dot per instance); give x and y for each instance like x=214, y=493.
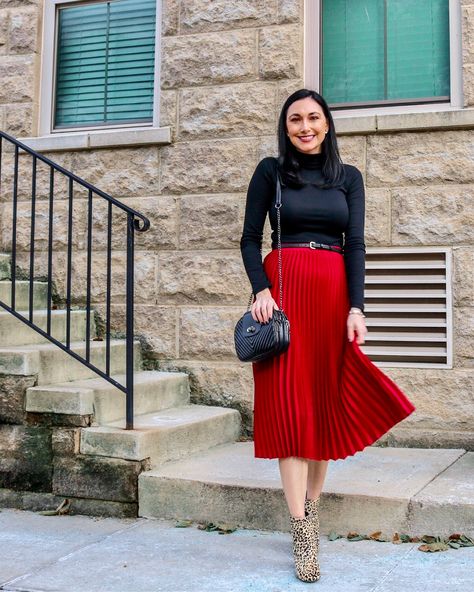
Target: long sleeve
x=354, y=244
x=259, y=197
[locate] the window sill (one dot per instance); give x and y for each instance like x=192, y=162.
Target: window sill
x=400, y=122
x=117, y=138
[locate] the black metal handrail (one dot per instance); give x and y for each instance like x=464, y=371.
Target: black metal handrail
x=135, y=221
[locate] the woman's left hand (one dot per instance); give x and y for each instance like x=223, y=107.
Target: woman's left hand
x=356, y=325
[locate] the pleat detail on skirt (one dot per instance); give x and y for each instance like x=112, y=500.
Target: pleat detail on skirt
x=323, y=399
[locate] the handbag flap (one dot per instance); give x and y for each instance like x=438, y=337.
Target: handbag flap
x=249, y=326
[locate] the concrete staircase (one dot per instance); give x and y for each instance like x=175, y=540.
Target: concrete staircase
x=197, y=468
x=167, y=425
x=406, y=490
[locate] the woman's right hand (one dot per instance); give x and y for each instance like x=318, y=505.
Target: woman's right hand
x=263, y=306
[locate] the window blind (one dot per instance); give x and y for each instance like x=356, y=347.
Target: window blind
x=381, y=51
x=105, y=63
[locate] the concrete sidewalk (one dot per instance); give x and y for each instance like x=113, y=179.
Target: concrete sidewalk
x=80, y=553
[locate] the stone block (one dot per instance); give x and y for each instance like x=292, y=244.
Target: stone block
x=12, y=397
x=124, y=171
x=170, y=15
x=468, y=34
x=211, y=221
x=168, y=108
x=435, y=215
x=443, y=398
x=60, y=225
x=267, y=146
x=99, y=478
x=280, y=52
x=4, y=25
x=285, y=89
x=58, y=420
x=410, y=159
x=207, y=166
x=205, y=277
x=208, y=332
x=352, y=150
x=156, y=324
x=377, y=218
x=197, y=16
x=17, y=76
x=66, y=441
x=237, y=110
x=144, y=275
x=463, y=325
x=290, y=11
x=37, y=502
x=19, y=120
x=23, y=31
x=25, y=458
x=17, y=3
x=468, y=84
x=162, y=212
x=24, y=176
x=463, y=276
x=192, y=60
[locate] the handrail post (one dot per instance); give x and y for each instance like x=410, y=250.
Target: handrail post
x=129, y=319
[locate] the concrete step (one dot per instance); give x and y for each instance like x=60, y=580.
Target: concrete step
x=169, y=434
x=51, y=364
x=22, y=290
x=410, y=490
x=15, y=332
x=153, y=391
x=4, y=266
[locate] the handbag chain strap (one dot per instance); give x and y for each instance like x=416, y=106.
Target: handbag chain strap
x=280, y=273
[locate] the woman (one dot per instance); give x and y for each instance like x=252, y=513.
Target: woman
x=323, y=398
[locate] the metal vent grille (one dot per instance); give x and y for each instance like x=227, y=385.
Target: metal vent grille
x=408, y=307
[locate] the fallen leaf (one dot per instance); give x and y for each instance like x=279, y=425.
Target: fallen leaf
x=332, y=536
x=183, y=523
x=355, y=536
x=378, y=536
x=63, y=508
x=433, y=547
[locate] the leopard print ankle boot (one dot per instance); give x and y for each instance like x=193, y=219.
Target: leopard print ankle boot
x=304, y=549
x=311, y=508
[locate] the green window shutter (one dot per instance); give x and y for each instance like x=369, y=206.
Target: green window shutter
x=384, y=51
x=105, y=63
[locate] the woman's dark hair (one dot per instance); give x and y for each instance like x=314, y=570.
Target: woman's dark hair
x=332, y=170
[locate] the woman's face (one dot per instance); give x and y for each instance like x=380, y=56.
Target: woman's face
x=306, y=125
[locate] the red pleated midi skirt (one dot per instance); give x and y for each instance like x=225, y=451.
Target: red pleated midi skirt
x=323, y=399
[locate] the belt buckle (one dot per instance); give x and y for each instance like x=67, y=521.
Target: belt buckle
x=312, y=245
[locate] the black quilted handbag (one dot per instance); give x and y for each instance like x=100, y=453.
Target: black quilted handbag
x=255, y=341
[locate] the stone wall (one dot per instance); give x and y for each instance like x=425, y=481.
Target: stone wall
x=224, y=75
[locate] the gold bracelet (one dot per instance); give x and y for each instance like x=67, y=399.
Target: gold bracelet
x=356, y=311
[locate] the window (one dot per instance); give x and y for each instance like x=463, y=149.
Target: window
x=100, y=65
x=408, y=307
x=368, y=54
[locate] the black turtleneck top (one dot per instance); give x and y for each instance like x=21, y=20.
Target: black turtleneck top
x=334, y=216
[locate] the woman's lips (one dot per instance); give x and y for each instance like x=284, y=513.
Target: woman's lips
x=305, y=139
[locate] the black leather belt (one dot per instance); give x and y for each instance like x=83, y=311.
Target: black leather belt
x=313, y=245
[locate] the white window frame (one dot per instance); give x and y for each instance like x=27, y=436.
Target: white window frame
x=48, y=69
x=312, y=34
